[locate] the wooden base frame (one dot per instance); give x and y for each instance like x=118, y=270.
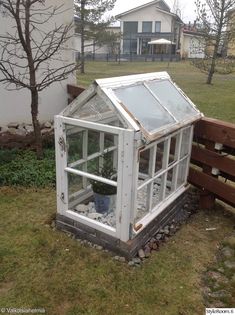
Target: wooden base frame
x=126, y=249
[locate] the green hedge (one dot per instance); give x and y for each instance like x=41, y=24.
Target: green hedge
x=21, y=168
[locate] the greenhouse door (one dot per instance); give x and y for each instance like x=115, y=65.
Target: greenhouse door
x=92, y=161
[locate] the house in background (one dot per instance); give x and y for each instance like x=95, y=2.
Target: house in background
x=15, y=105
x=192, y=43
x=146, y=23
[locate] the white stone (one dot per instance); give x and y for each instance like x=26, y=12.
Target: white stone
x=13, y=125
x=91, y=207
x=94, y=216
x=3, y=130
x=82, y=208
x=12, y=131
x=47, y=124
x=141, y=253
x=20, y=132
x=29, y=128
x=45, y=131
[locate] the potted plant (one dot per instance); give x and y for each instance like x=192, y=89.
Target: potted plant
x=104, y=194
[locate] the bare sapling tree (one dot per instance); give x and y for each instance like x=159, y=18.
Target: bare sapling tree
x=33, y=50
x=216, y=26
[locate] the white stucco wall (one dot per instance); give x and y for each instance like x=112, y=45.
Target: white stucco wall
x=150, y=13
x=15, y=105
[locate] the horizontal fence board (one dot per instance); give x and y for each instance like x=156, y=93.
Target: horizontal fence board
x=213, y=159
x=216, y=130
x=222, y=190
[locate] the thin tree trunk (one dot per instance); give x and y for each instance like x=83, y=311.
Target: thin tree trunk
x=211, y=71
x=82, y=69
x=212, y=67
x=36, y=124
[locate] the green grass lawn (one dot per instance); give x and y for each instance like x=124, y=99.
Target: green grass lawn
x=43, y=268
x=216, y=100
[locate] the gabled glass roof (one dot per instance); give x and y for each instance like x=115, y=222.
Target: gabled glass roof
x=148, y=102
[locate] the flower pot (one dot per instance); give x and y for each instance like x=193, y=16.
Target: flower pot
x=104, y=203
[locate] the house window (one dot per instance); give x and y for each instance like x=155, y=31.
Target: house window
x=147, y=27
x=130, y=29
x=158, y=26
x=145, y=47
x=130, y=46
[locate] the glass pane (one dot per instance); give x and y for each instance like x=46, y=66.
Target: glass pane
x=90, y=202
x=144, y=157
x=172, y=99
x=93, y=142
x=158, y=26
x=159, y=157
x=144, y=107
x=158, y=186
x=109, y=140
x=75, y=184
x=182, y=173
x=74, y=142
x=170, y=181
x=147, y=27
x=93, y=110
x=93, y=166
x=173, y=149
x=142, y=202
x=130, y=28
x=185, y=145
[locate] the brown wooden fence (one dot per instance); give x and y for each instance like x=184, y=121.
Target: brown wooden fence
x=73, y=91
x=213, y=161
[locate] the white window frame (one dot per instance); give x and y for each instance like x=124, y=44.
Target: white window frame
x=124, y=184
x=151, y=213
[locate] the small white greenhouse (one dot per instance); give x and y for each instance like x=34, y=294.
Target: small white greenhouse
x=122, y=151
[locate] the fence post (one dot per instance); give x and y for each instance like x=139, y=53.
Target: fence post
x=207, y=199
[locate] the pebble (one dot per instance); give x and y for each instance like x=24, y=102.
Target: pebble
x=20, y=132
x=227, y=252
x=47, y=124
x=219, y=294
x=141, y=253
x=94, y=216
x=28, y=128
x=233, y=279
x=3, y=130
x=155, y=246
x=147, y=252
x=159, y=237
x=119, y=258
x=82, y=208
x=229, y=264
x=13, y=125
x=136, y=260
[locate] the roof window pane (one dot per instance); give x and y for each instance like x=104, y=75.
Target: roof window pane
x=94, y=110
x=144, y=107
x=172, y=99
